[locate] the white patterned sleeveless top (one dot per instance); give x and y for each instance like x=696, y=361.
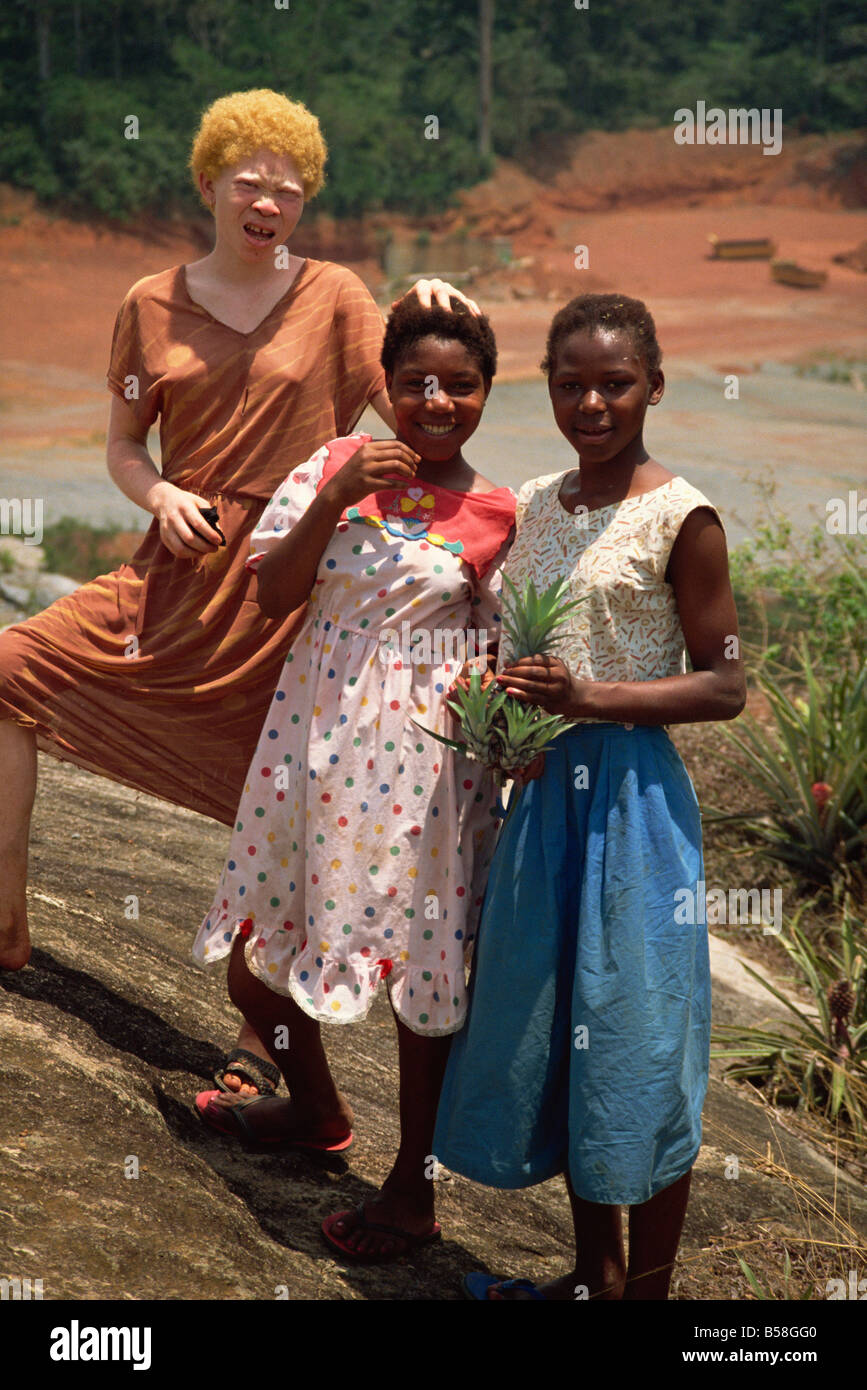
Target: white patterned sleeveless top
x=627, y=627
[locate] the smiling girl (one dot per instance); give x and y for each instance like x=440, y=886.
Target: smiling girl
x=586, y=1045
x=356, y=858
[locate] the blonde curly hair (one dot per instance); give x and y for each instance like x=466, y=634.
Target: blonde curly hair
x=236, y=125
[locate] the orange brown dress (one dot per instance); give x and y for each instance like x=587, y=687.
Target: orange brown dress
x=160, y=674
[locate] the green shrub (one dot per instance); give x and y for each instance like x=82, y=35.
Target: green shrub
x=815, y=1061
x=790, y=588
x=100, y=167
x=808, y=773
x=81, y=551
x=19, y=151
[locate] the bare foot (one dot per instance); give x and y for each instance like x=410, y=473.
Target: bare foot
x=249, y=1039
x=15, y=939
x=273, y=1119
x=412, y=1212
x=606, y=1286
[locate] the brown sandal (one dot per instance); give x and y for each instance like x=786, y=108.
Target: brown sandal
x=265, y=1076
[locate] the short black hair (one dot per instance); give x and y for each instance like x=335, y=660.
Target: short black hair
x=602, y=313
x=409, y=321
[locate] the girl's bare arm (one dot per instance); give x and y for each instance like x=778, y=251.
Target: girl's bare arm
x=133, y=470
x=287, y=573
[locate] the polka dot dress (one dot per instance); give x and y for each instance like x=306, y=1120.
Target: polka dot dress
x=361, y=845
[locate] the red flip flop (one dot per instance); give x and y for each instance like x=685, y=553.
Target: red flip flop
x=235, y=1125
x=411, y=1242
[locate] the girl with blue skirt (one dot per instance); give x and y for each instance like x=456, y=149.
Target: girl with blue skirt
x=585, y=1050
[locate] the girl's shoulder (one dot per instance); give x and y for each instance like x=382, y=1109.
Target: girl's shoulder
x=347, y=289
x=165, y=290
x=307, y=477
x=674, y=501
x=538, y=492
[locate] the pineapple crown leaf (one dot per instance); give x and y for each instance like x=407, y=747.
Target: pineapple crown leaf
x=532, y=618
x=441, y=738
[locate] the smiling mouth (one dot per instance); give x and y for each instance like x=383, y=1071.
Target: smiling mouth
x=436, y=429
x=262, y=234
x=593, y=431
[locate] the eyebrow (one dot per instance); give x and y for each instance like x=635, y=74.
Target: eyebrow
x=606, y=371
x=257, y=178
x=410, y=368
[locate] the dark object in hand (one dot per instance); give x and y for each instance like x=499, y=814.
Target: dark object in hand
x=211, y=516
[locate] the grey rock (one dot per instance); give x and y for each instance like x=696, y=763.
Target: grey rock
x=49, y=587
x=15, y=592
x=23, y=556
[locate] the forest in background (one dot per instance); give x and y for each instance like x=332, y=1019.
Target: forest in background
x=502, y=79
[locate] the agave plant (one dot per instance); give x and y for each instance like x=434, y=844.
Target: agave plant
x=809, y=773
x=817, y=1059
x=504, y=733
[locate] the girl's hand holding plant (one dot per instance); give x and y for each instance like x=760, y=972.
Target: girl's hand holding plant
x=487, y=671
x=547, y=682
x=507, y=734
x=530, y=771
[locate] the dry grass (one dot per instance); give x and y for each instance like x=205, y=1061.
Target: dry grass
x=789, y=1260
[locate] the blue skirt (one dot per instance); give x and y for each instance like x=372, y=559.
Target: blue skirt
x=585, y=1049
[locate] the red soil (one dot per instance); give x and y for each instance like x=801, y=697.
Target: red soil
x=641, y=205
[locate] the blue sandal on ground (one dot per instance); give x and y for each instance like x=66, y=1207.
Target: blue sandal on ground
x=478, y=1285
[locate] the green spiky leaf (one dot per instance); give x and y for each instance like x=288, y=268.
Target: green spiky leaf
x=499, y=730
x=531, y=619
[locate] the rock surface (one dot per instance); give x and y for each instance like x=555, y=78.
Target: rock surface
x=25, y=588
x=110, y=1032
x=48, y=587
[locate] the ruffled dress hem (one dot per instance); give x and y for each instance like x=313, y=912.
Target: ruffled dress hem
x=398, y=978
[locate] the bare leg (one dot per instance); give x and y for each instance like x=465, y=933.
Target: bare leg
x=600, y=1264
x=654, y=1235
x=406, y=1198
x=18, y=770
x=317, y=1109
x=600, y=1260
